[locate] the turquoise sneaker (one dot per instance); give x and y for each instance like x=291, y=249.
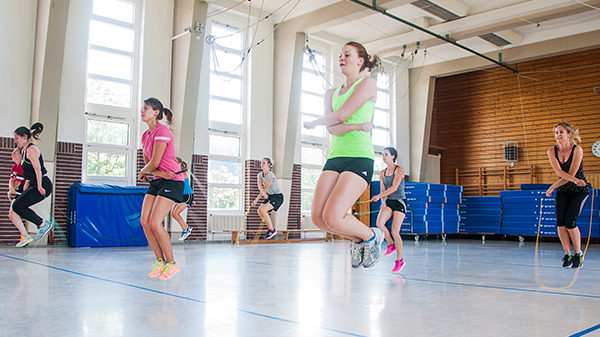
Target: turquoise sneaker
x=44, y=229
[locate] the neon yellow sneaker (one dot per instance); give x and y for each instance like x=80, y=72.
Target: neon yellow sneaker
x=25, y=240
x=157, y=269
x=170, y=270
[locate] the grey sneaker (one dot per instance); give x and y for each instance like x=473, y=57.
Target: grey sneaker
x=45, y=228
x=372, y=252
x=356, y=251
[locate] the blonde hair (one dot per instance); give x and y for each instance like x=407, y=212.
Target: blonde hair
x=572, y=130
x=371, y=61
x=269, y=162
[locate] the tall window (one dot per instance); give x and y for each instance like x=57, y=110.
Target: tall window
x=226, y=118
x=110, y=87
x=382, y=121
x=315, y=141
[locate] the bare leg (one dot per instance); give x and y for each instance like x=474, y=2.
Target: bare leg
x=325, y=184
x=396, y=225
x=384, y=215
x=16, y=220
x=145, y=220
x=575, y=236
x=176, y=214
x=160, y=209
x=563, y=234
x=263, y=212
x=346, y=191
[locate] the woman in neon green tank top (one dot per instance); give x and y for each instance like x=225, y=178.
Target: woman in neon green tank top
x=349, y=167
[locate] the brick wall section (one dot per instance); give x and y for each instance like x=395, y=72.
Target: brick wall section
x=475, y=113
x=197, y=214
x=295, y=200
x=251, y=191
x=139, y=167
x=9, y=235
x=69, y=157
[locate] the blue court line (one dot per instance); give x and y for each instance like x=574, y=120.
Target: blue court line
x=382, y=276
x=173, y=295
x=586, y=331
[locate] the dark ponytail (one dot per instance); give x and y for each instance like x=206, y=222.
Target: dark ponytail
x=157, y=105
x=34, y=131
x=371, y=61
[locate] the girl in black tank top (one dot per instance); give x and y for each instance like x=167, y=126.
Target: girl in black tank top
x=39, y=188
x=566, y=159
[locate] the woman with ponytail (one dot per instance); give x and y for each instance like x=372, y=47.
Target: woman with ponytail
x=566, y=159
x=40, y=186
x=269, y=189
x=349, y=167
x=165, y=189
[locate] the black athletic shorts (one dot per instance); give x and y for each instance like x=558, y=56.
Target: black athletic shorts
x=360, y=166
x=276, y=200
x=568, y=207
x=170, y=189
x=188, y=199
x=396, y=205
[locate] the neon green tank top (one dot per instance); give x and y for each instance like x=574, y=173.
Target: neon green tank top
x=356, y=143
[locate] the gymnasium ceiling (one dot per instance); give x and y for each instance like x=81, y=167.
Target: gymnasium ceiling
x=483, y=25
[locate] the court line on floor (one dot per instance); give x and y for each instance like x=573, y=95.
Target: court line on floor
x=586, y=331
x=173, y=295
x=381, y=277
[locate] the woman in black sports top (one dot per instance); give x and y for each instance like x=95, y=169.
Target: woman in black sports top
x=566, y=158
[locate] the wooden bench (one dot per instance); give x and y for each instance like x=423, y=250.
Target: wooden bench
x=235, y=235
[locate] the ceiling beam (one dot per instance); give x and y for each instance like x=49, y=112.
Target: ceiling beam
x=483, y=23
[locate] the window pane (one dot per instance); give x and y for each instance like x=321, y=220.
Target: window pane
x=111, y=36
x=310, y=177
x=380, y=137
x=223, y=198
x=227, y=36
x=378, y=166
x=319, y=131
x=224, y=146
x=107, y=132
x=381, y=118
x=311, y=104
x=307, y=199
x=114, y=9
x=106, y=164
x=224, y=172
x=312, y=155
x=226, y=61
x=382, y=100
x=225, y=86
x=109, y=64
x=383, y=81
x=313, y=83
x=108, y=93
x=224, y=111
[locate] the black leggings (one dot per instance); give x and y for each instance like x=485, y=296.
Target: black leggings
x=568, y=207
x=31, y=196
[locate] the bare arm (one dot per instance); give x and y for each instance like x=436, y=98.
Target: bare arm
x=364, y=91
x=157, y=153
x=33, y=154
x=399, y=175
x=565, y=177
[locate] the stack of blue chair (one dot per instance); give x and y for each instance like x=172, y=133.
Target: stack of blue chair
x=434, y=208
x=521, y=214
x=480, y=215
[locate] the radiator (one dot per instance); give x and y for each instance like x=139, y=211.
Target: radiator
x=219, y=222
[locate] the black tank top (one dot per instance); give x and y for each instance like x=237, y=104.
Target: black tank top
x=28, y=171
x=566, y=166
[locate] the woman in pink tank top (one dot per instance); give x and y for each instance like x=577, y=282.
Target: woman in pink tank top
x=166, y=187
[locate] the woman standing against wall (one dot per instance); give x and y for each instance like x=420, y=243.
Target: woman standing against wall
x=566, y=159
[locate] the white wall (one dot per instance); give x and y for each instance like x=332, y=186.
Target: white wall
x=17, y=37
x=72, y=93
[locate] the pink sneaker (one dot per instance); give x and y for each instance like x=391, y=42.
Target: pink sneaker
x=390, y=249
x=398, y=266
